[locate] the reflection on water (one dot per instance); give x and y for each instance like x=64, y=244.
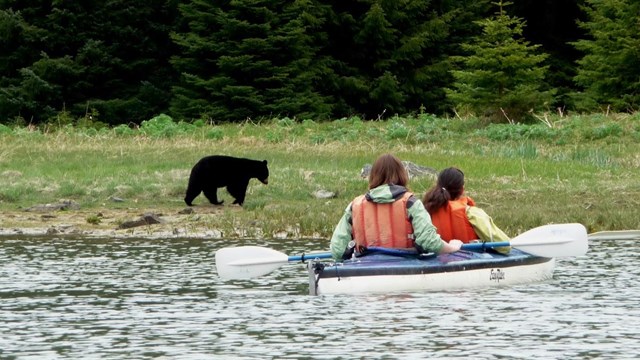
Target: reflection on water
x=135, y=298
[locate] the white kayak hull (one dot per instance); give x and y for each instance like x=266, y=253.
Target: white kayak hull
x=462, y=270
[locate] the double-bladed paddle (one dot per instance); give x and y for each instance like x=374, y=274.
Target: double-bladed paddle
x=555, y=240
x=615, y=235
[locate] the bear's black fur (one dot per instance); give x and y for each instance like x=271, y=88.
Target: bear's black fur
x=217, y=171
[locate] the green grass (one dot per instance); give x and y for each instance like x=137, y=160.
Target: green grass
x=580, y=169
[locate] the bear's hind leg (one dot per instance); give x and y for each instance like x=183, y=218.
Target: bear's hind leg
x=212, y=195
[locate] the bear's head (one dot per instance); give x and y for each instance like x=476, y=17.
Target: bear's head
x=262, y=172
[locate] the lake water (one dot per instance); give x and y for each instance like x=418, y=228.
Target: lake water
x=141, y=299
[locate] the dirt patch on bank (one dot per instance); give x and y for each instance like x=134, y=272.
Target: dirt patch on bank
x=179, y=223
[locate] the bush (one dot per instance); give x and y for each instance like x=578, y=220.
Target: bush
x=397, y=130
x=5, y=130
x=603, y=131
x=518, y=132
x=164, y=126
x=123, y=130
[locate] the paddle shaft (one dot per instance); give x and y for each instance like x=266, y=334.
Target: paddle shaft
x=304, y=257
x=471, y=247
x=396, y=252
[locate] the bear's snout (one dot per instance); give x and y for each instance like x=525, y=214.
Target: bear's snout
x=264, y=181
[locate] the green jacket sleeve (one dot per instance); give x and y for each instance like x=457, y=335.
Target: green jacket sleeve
x=341, y=235
x=485, y=228
x=425, y=233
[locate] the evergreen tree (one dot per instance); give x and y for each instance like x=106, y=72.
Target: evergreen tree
x=502, y=77
x=553, y=25
x=111, y=57
x=18, y=39
x=609, y=70
x=390, y=56
x=246, y=59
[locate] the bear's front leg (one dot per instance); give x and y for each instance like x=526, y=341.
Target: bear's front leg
x=238, y=191
x=212, y=195
x=192, y=192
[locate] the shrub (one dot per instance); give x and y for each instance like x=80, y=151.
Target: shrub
x=160, y=126
x=397, y=130
x=603, y=131
x=5, y=129
x=123, y=130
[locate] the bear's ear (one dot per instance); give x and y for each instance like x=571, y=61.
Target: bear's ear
x=264, y=161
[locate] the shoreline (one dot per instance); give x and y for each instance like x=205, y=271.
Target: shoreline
x=75, y=223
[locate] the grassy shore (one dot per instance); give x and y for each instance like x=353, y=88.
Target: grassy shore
x=564, y=169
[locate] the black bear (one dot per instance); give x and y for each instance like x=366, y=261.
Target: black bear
x=217, y=171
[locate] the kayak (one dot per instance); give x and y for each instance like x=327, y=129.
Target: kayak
x=531, y=259
x=382, y=273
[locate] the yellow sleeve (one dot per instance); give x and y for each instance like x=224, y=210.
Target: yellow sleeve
x=485, y=228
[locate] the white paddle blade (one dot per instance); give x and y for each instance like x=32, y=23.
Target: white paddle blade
x=247, y=262
x=615, y=235
x=555, y=240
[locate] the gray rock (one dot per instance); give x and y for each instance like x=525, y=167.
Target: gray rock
x=324, y=194
x=146, y=219
x=413, y=170
x=62, y=205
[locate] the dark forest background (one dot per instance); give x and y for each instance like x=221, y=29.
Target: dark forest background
x=123, y=62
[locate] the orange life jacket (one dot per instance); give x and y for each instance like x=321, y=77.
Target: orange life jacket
x=451, y=220
x=383, y=225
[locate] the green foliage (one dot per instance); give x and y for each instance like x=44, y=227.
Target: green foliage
x=255, y=204
x=64, y=63
x=593, y=157
x=285, y=122
x=11, y=194
x=608, y=71
x=318, y=139
x=5, y=130
x=90, y=121
x=502, y=77
x=274, y=136
x=70, y=189
x=343, y=130
x=526, y=150
x=519, y=132
x=164, y=126
x=505, y=165
x=390, y=57
x=123, y=130
x=214, y=133
x=62, y=56
x=94, y=219
x=431, y=128
x=261, y=61
x=397, y=130
x=635, y=134
x=603, y=131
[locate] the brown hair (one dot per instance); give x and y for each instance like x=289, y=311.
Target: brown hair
x=450, y=186
x=388, y=169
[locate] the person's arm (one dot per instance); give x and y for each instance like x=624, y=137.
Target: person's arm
x=485, y=227
x=451, y=246
x=426, y=236
x=341, y=235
